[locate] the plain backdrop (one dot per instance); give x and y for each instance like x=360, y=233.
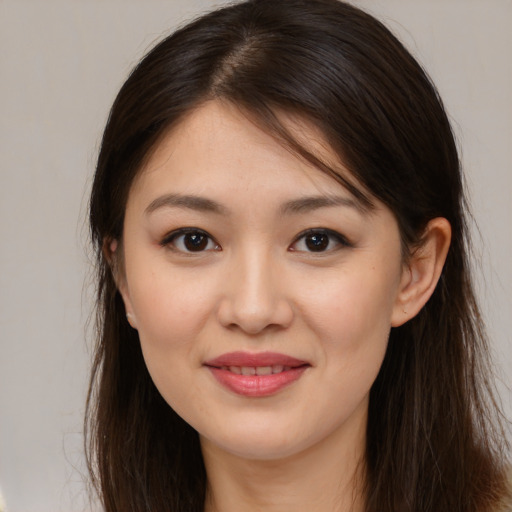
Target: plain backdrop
x=61, y=64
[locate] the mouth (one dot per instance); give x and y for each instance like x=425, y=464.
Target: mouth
x=257, y=370
x=256, y=375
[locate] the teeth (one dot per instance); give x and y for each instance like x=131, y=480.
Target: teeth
x=259, y=370
x=264, y=370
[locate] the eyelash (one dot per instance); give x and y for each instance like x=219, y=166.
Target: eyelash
x=332, y=236
x=338, y=239
x=170, y=240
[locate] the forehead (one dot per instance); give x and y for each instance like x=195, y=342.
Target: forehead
x=219, y=148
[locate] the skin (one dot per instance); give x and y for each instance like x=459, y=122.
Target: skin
x=256, y=286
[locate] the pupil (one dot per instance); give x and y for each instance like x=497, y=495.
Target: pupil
x=195, y=241
x=317, y=242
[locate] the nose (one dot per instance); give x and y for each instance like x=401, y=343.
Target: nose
x=254, y=296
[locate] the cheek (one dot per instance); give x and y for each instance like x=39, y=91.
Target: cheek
x=171, y=314
x=351, y=320
x=353, y=309
x=170, y=307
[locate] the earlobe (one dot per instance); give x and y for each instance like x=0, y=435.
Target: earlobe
x=114, y=259
x=422, y=272
x=131, y=319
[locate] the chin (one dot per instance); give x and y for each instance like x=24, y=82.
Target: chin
x=263, y=444
x=262, y=450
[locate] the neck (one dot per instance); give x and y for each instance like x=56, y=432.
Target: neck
x=327, y=477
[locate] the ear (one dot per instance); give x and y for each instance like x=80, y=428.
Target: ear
x=114, y=257
x=421, y=273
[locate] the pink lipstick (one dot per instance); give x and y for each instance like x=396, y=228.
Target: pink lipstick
x=256, y=374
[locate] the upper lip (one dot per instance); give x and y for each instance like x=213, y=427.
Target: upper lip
x=249, y=359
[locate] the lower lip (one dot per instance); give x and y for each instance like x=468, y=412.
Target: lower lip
x=257, y=385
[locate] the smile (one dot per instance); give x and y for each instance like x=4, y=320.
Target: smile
x=256, y=375
x=256, y=370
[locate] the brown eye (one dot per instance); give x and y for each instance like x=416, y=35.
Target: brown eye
x=317, y=242
x=195, y=241
x=189, y=240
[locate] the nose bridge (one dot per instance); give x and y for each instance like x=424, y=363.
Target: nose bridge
x=254, y=297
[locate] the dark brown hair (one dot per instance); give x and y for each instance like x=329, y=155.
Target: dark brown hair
x=434, y=441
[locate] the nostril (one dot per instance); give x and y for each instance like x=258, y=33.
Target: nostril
x=254, y=318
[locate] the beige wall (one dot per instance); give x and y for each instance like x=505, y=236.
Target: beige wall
x=61, y=63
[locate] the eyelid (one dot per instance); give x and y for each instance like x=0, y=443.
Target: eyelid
x=169, y=238
x=341, y=240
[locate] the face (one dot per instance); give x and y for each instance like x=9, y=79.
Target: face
x=263, y=293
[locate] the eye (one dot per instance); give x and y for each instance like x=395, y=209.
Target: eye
x=189, y=240
x=319, y=240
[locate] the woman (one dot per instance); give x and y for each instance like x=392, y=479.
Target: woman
x=286, y=317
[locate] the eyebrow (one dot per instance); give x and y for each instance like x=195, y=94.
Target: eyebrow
x=295, y=206
x=311, y=203
x=190, y=202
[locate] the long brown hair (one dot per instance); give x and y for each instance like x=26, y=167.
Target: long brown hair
x=434, y=440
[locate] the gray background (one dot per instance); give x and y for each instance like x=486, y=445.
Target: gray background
x=61, y=63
